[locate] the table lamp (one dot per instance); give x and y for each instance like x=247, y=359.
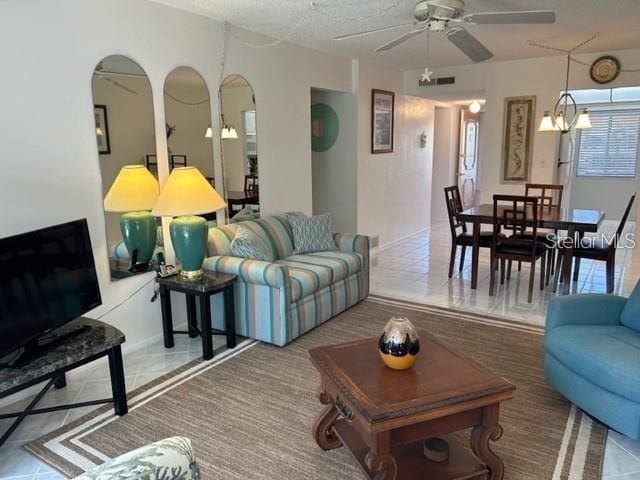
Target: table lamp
x=187, y=194
x=134, y=192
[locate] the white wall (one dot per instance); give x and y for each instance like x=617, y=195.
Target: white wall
x=335, y=170
x=54, y=176
x=394, y=189
x=543, y=77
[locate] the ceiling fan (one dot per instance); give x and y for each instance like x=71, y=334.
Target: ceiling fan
x=448, y=16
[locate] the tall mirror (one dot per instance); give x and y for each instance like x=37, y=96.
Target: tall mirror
x=125, y=135
x=187, y=111
x=240, y=147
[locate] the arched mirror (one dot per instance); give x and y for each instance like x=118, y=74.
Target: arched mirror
x=187, y=111
x=240, y=147
x=125, y=135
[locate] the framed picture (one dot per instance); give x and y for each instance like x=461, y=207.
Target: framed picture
x=382, y=105
x=519, y=117
x=102, y=129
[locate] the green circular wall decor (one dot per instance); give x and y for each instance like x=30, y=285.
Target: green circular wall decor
x=324, y=127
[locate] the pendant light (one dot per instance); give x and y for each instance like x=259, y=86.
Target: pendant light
x=558, y=120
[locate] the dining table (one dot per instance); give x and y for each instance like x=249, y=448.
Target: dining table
x=575, y=221
x=242, y=198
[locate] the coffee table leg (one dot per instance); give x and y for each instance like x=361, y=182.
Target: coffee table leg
x=480, y=436
x=379, y=460
x=323, y=426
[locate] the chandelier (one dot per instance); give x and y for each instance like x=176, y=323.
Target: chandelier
x=561, y=119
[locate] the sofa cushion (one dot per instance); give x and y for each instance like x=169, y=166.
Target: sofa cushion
x=630, y=316
x=314, y=271
x=608, y=356
x=247, y=244
x=220, y=238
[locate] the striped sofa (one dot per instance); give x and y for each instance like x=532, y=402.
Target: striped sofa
x=278, y=301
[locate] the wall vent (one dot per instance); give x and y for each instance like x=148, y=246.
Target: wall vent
x=437, y=81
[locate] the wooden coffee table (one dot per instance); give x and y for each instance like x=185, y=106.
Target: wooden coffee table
x=384, y=416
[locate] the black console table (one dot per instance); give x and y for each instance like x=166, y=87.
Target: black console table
x=96, y=340
x=203, y=288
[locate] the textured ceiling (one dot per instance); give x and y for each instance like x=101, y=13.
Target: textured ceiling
x=616, y=21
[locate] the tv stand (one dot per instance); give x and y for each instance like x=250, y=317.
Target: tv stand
x=78, y=342
x=41, y=345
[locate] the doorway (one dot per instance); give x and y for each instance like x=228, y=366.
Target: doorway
x=468, y=159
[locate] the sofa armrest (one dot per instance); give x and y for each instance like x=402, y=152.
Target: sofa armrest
x=169, y=458
x=587, y=309
x=350, y=242
x=250, y=271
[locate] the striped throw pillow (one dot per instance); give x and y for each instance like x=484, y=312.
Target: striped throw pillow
x=311, y=234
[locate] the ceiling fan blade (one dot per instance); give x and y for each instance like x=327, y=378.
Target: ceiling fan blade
x=117, y=84
x=497, y=18
x=468, y=44
x=369, y=32
x=401, y=39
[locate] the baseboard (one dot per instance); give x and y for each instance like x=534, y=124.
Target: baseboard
x=398, y=240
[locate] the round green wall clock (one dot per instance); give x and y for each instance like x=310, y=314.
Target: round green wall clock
x=324, y=127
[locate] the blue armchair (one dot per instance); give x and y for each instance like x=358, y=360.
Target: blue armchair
x=592, y=356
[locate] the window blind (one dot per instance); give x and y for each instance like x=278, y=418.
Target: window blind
x=610, y=148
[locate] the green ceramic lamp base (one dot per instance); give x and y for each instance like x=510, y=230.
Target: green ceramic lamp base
x=139, y=233
x=189, y=238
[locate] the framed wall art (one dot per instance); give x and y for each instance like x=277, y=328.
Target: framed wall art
x=519, y=118
x=382, y=111
x=102, y=129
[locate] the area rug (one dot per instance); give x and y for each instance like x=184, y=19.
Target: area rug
x=249, y=411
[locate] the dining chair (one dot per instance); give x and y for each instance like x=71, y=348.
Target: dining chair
x=596, y=248
x=251, y=183
x=550, y=197
x=515, y=214
x=460, y=236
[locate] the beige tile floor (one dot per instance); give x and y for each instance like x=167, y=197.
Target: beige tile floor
x=417, y=269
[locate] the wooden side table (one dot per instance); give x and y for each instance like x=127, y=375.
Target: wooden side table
x=201, y=288
x=391, y=420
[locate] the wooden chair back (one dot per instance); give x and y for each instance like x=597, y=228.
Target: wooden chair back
x=251, y=183
x=623, y=221
x=454, y=207
x=518, y=215
x=550, y=194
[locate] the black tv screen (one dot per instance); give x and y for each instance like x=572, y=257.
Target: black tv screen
x=47, y=278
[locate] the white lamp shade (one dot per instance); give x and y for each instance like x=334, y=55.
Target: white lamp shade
x=208, y=133
x=187, y=192
x=547, y=124
x=229, y=133
x=561, y=122
x=134, y=189
x=583, y=120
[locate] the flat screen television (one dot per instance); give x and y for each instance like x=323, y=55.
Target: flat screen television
x=47, y=278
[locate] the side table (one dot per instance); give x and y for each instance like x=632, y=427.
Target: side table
x=202, y=288
x=97, y=339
